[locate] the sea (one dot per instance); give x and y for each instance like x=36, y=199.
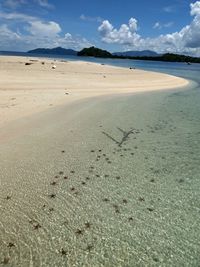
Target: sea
x=115, y=184
x=184, y=70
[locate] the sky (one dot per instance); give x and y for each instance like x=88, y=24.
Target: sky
x=115, y=25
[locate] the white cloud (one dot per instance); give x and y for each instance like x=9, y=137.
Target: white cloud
x=91, y=19
x=8, y=38
x=40, y=28
x=75, y=42
x=195, y=8
x=125, y=35
x=13, y=4
x=133, y=24
x=17, y=16
x=187, y=40
x=159, y=25
x=168, y=24
x=169, y=9
x=44, y=3
x=6, y=32
x=105, y=28
x=38, y=33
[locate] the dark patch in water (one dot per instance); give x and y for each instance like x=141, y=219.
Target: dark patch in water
x=79, y=232
x=141, y=199
x=87, y=225
x=89, y=247
x=52, y=195
x=63, y=252
x=37, y=226
x=11, y=245
x=150, y=209
x=124, y=138
x=53, y=183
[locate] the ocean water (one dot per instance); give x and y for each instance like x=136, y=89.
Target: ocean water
x=116, y=183
x=178, y=69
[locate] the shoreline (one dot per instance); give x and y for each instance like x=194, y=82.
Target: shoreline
x=31, y=89
x=149, y=168
x=116, y=171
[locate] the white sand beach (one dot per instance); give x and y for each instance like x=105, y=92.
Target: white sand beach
x=93, y=172
x=28, y=89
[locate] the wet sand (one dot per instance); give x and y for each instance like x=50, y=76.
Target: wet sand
x=103, y=181
x=104, y=186
x=29, y=89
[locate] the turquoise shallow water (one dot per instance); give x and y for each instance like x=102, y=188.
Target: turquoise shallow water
x=114, y=184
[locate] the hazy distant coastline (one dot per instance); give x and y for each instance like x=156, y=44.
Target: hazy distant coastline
x=138, y=55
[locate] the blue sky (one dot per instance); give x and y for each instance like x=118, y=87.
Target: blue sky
x=115, y=25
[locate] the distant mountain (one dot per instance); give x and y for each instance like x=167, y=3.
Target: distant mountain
x=54, y=51
x=138, y=55
x=144, y=53
x=94, y=52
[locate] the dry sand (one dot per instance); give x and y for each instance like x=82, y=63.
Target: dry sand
x=28, y=89
x=70, y=195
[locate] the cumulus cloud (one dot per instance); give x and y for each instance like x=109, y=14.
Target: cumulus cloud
x=133, y=24
x=125, y=35
x=195, y=8
x=36, y=33
x=40, y=28
x=187, y=40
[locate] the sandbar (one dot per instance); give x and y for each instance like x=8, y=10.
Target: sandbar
x=31, y=85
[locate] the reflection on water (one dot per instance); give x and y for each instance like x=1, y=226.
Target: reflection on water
x=116, y=184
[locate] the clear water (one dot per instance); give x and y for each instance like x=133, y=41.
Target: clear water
x=178, y=69
x=127, y=177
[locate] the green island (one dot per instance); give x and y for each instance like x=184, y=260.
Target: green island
x=168, y=57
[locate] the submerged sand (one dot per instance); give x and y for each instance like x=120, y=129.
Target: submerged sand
x=105, y=181
x=28, y=89
x=72, y=196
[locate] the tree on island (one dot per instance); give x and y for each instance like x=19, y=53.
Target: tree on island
x=94, y=52
x=168, y=57
x=97, y=52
